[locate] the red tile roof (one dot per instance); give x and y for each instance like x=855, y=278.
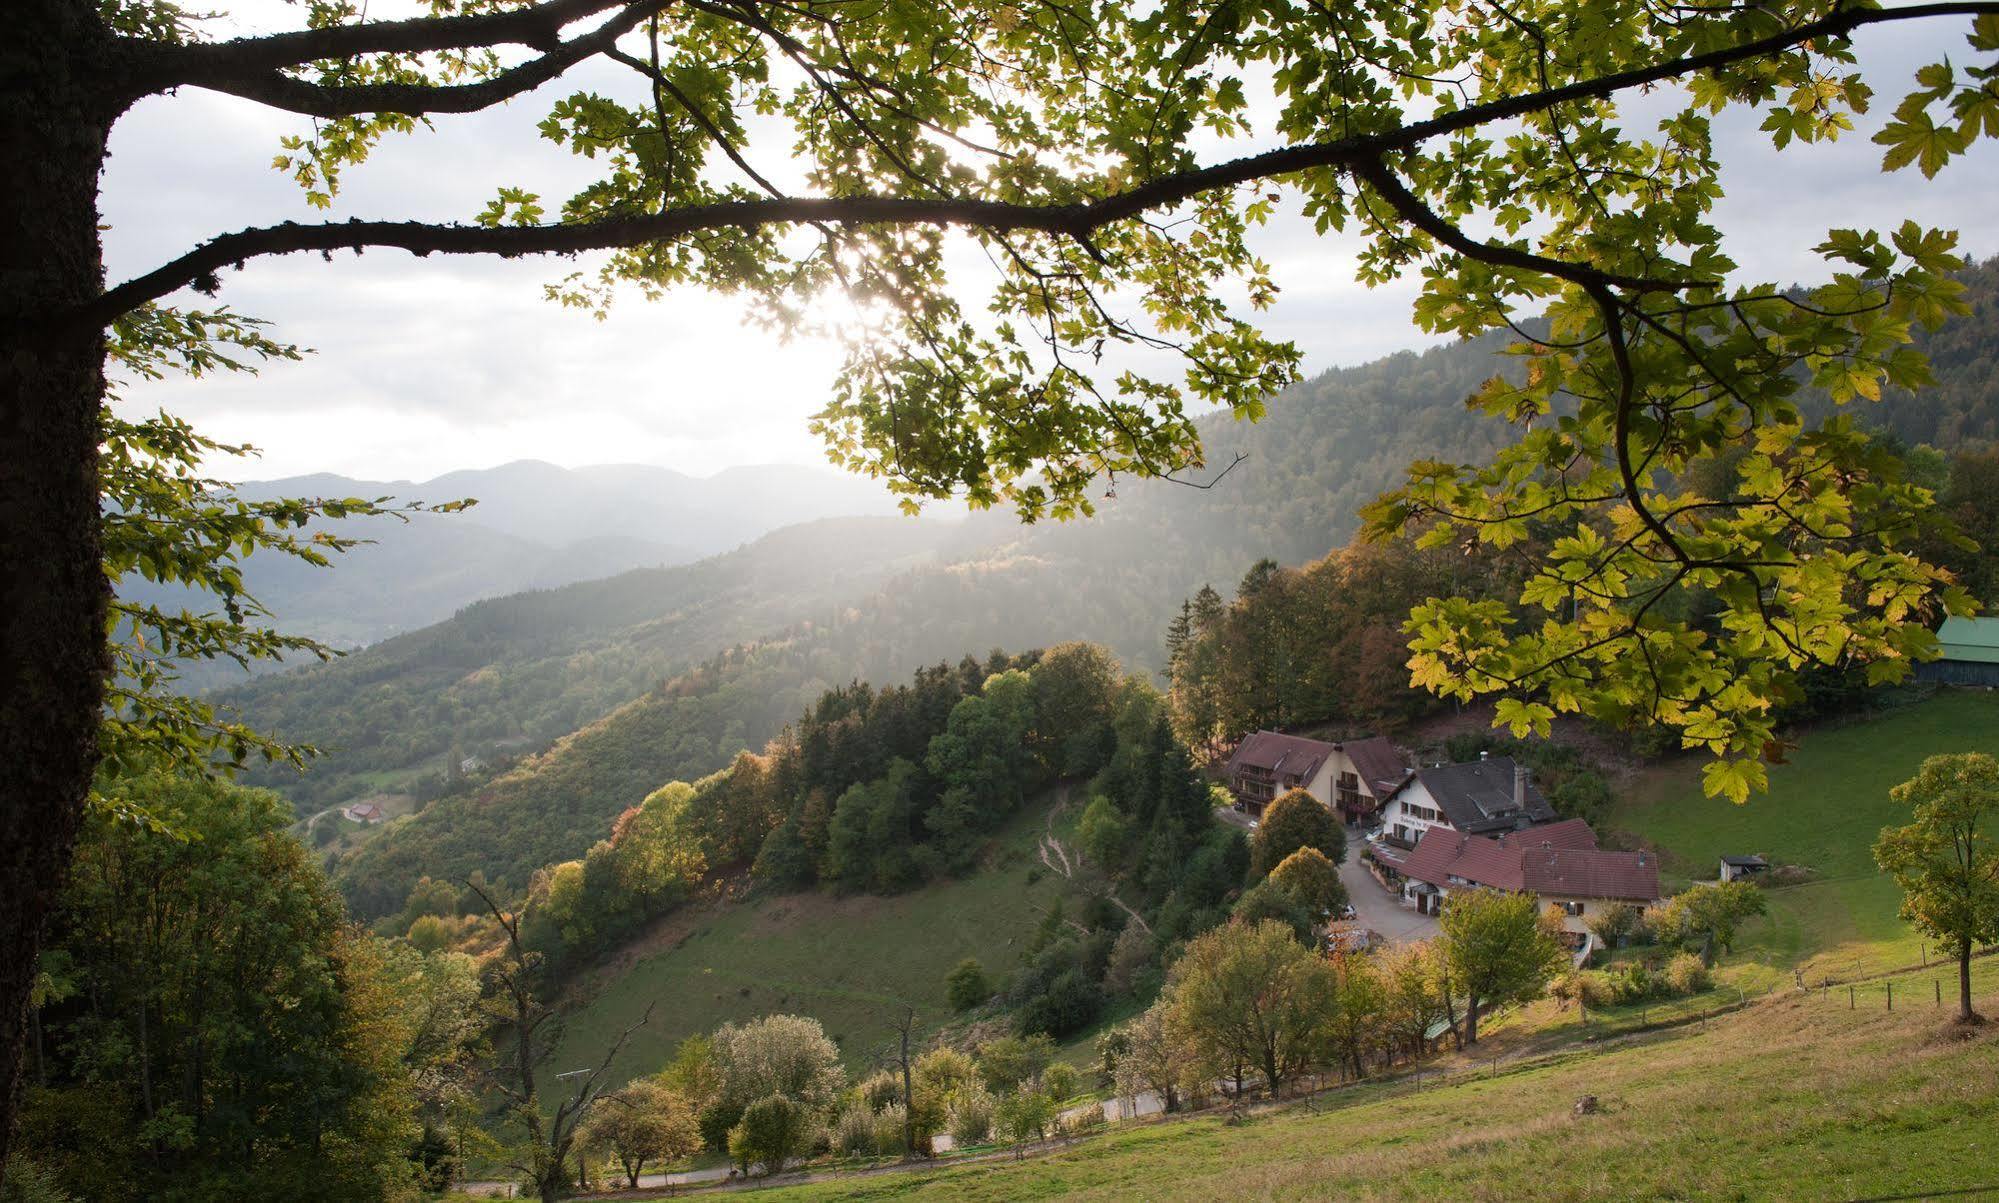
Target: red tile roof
x=1378, y=765
x=1561, y=860
x=1569, y=833
x=1591, y=873
x=1276, y=752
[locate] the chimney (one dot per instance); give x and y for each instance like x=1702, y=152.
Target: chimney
x=1519, y=785
x=1641, y=858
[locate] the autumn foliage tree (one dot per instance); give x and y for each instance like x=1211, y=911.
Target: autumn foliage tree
x=1073, y=149
x=1295, y=820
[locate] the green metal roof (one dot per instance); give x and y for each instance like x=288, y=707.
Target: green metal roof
x=1972, y=639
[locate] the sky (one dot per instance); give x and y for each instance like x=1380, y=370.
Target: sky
x=423, y=366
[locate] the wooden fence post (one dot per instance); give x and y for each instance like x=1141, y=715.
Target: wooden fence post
x=1849, y=998
x=1938, y=983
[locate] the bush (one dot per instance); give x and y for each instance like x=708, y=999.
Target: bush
x=854, y=1131
x=1132, y=958
x=1070, y=1003
x=889, y=1130
x=1089, y=1119
x=971, y=1116
x=1058, y=1081
x=1688, y=974
x=772, y=1132
x=967, y=986
x=879, y=1090
x=1618, y=924
x=1024, y=1116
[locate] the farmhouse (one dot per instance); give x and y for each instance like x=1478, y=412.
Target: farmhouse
x=1488, y=796
x=1559, y=863
x=1970, y=653
x=364, y=812
x=1352, y=778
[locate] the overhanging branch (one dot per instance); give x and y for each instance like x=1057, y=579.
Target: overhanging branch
x=198, y=267
x=200, y=64
x=281, y=91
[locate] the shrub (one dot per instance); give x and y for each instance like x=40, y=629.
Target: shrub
x=1011, y=1060
x=1024, y=1116
x=1058, y=1081
x=1069, y=1004
x=773, y=1130
x=879, y=1090
x=1132, y=958
x=1089, y=1119
x=889, y=1130
x=971, y=1116
x=1688, y=974
x=1616, y=924
x=854, y=1131
x=967, y=986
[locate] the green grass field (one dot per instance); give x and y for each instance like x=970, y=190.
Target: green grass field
x=851, y=963
x=1794, y=1097
x=1823, y=811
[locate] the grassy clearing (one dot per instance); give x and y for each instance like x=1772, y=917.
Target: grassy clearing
x=1823, y=810
x=851, y=963
x=1792, y=1097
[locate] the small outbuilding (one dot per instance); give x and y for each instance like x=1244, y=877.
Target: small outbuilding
x=1735, y=868
x=1970, y=653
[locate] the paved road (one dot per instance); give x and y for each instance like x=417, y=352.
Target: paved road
x=1377, y=909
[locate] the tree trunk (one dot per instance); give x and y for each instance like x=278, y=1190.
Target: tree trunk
x=53, y=659
x=1471, y=1020
x=1964, y=1010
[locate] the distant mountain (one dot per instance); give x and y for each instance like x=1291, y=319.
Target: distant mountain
x=555, y=506
x=536, y=526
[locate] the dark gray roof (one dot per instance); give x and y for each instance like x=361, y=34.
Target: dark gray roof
x=1477, y=796
x=1745, y=862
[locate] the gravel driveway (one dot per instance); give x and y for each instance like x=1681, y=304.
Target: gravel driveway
x=1377, y=909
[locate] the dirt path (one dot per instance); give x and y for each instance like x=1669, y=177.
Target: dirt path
x=1059, y=860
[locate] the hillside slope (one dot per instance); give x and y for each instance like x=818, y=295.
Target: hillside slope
x=1794, y=1097
x=850, y=962
x=515, y=673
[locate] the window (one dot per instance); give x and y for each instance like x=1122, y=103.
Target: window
x=1572, y=908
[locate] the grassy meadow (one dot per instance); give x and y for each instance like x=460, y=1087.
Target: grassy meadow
x=1822, y=811
x=852, y=963
x=1793, y=1097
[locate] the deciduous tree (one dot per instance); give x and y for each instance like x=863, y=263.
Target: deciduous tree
x=1497, y=948
x=1946, y=860
x=645, y=1121
x=1295, y=820
x=1254, y=995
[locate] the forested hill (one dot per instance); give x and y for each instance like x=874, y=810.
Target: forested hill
x=516, y=674
x=512, y=674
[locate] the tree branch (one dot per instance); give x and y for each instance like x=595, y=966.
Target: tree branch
x=199, y=266
x=280, y=91
x=203, y=63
